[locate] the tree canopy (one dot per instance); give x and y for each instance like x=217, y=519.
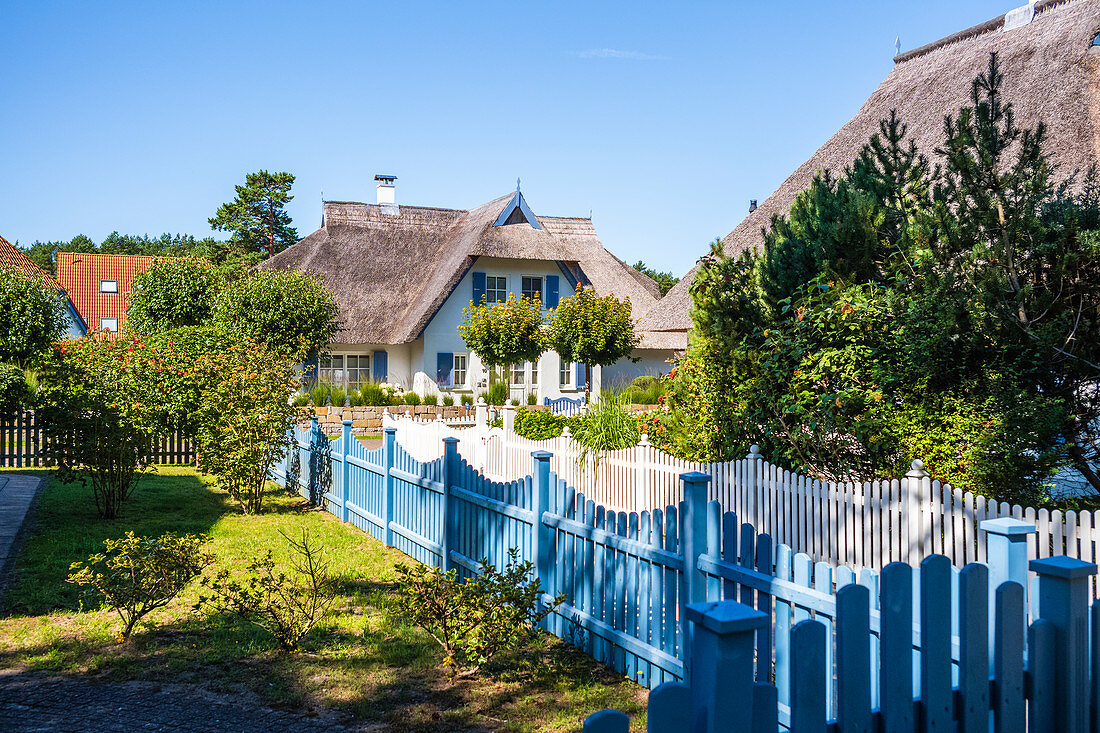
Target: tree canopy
x=32, y=317
x=257, y=217
x=504, y=333
x=664, y=280
x=592, y=330
x=173, y=293
x=946, y=310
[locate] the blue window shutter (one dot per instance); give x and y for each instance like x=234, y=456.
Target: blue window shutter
x=444, y=363
x=479, y=287
x=380, y=367
x=551, y=291
x=580, y=376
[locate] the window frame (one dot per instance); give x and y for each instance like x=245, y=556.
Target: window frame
x=569, y=369
x=108, y=292
x=496, y=291
x=104, y=328
x=455, y=370
x=339, y=363
x=541, y=290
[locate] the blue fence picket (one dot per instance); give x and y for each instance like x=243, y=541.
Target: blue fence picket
x=896, y=675
x=853, y=659
x=974, y=649
x=808, y=702
x=937, y=702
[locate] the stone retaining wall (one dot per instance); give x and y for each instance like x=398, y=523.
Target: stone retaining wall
x=368, y=420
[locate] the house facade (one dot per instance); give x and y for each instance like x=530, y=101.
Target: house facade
x=99, y=286
x=403, y=275
x=11, y=257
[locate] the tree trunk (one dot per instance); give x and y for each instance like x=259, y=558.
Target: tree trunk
x=587, y=383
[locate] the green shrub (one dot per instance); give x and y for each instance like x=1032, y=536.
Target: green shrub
x=532, y=398
x=372, y=394
x=467, y=400
x=301, y=399
x=431, y=399
x=411, y=398
x=287, y=607
x=496, y=395
x=604, y=426
x=538, y=424
x=137, y=575
x=338, y=395
x=13, y=387
x=476, y=619
x=448, y=400
x=320, y=393
x=644, y=381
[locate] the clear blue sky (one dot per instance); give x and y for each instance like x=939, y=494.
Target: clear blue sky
x=663, y=119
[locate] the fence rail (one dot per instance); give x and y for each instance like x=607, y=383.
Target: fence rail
x=24, y=439
x=860, y=525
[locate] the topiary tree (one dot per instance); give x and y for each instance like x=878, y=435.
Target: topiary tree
x=288, y=310
x=32, y=317
x=504, y=333
x=592, y=330
x=173, y=293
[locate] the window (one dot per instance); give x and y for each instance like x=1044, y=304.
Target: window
x=458, y=374
x=496, y=289
x=346, y=370
x=532, y=287
x=517, y=374
x=534, y=374
x=108, y=286
x=109, y=324
x=358, y=369
x=565, y=374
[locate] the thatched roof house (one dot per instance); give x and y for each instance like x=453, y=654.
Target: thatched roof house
x=1052, y=74
x=402, y=274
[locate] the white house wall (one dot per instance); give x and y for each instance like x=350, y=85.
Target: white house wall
x=650, y=362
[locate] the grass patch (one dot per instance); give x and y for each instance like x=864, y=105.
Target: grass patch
x=361, y=660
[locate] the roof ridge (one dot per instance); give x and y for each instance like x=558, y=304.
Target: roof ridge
x=993, y=24
x=404, y=206
x=113, y=254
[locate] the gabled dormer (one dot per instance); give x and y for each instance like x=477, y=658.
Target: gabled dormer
x=517, y=212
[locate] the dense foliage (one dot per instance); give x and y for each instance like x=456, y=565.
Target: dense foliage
x=946, y=312
x=664, y=280
x=592, y=330
x=137, y=575
x=474, y=620
x=44, y=254
x=257, y=217
x=539, y=424
x=504, y=333
x=32, y=317
x=288, y=310
x=171, y=294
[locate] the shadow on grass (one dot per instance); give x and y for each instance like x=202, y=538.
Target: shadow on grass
x=65, y=528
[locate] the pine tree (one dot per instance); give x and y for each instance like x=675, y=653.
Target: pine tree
x=256, y=217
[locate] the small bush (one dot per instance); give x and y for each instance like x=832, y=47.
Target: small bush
x=515, y=402
x=604, y=426
x=431, y=399
x=476, y=619
x=448, y=400
x=411, y=398
x=532, y=398
x=538, y=424
x=301, y=399
x=497, y=394
x=644, y=381
x=137, y=575
x=467, y=401
x=287, y=607
x=372, y=394
x=320, y=393
x=339, y=396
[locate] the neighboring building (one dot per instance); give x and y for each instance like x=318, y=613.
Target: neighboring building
x=1049, y=55
x=99, y=285
x=403, y=274
x=10, y=256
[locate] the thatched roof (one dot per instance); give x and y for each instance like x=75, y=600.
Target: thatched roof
x=391, y=272
x=1051, y=70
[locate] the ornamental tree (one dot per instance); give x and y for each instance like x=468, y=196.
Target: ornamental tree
x=32, y=317
x=173, y=293
x=592, y=330
x=504, y=333
x=288, y=310
x=242, y=424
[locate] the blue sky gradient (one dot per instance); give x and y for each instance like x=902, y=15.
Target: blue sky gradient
x=662, y=119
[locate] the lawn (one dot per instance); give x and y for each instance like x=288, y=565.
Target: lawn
x=361, y=661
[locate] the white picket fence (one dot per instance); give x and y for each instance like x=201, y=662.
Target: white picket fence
x=861, y=525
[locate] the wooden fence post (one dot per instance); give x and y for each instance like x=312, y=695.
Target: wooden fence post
x=314, y=458
x=540, y=542
x=450, y=475
x=753, y=470
x=1006, y=555
x=1064, y=600
x=693, y=544
x=911, y=539
x=389, y=441
x=721, y=670
x=345, y=448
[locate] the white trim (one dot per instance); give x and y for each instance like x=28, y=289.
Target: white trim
x=103, y=289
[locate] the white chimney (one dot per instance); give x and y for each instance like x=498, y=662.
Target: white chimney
x=387, y=191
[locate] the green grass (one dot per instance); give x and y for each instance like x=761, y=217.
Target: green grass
x=361, y=660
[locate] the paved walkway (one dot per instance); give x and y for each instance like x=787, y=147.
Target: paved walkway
x=17, y=490
x=32, y=702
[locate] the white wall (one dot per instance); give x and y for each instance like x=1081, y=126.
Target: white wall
x=650, y=362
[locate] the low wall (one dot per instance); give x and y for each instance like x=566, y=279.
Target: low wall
x=368, y=420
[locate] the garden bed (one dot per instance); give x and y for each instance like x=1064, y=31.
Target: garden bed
x=361, y=661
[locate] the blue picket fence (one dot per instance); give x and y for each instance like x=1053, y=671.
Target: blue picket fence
x=629, y=578
x=564, y=405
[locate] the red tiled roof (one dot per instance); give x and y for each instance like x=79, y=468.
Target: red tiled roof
x=10, y=256
x=80, y=274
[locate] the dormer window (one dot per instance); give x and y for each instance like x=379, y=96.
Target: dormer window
x=1096, y=40
x=108, y=286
